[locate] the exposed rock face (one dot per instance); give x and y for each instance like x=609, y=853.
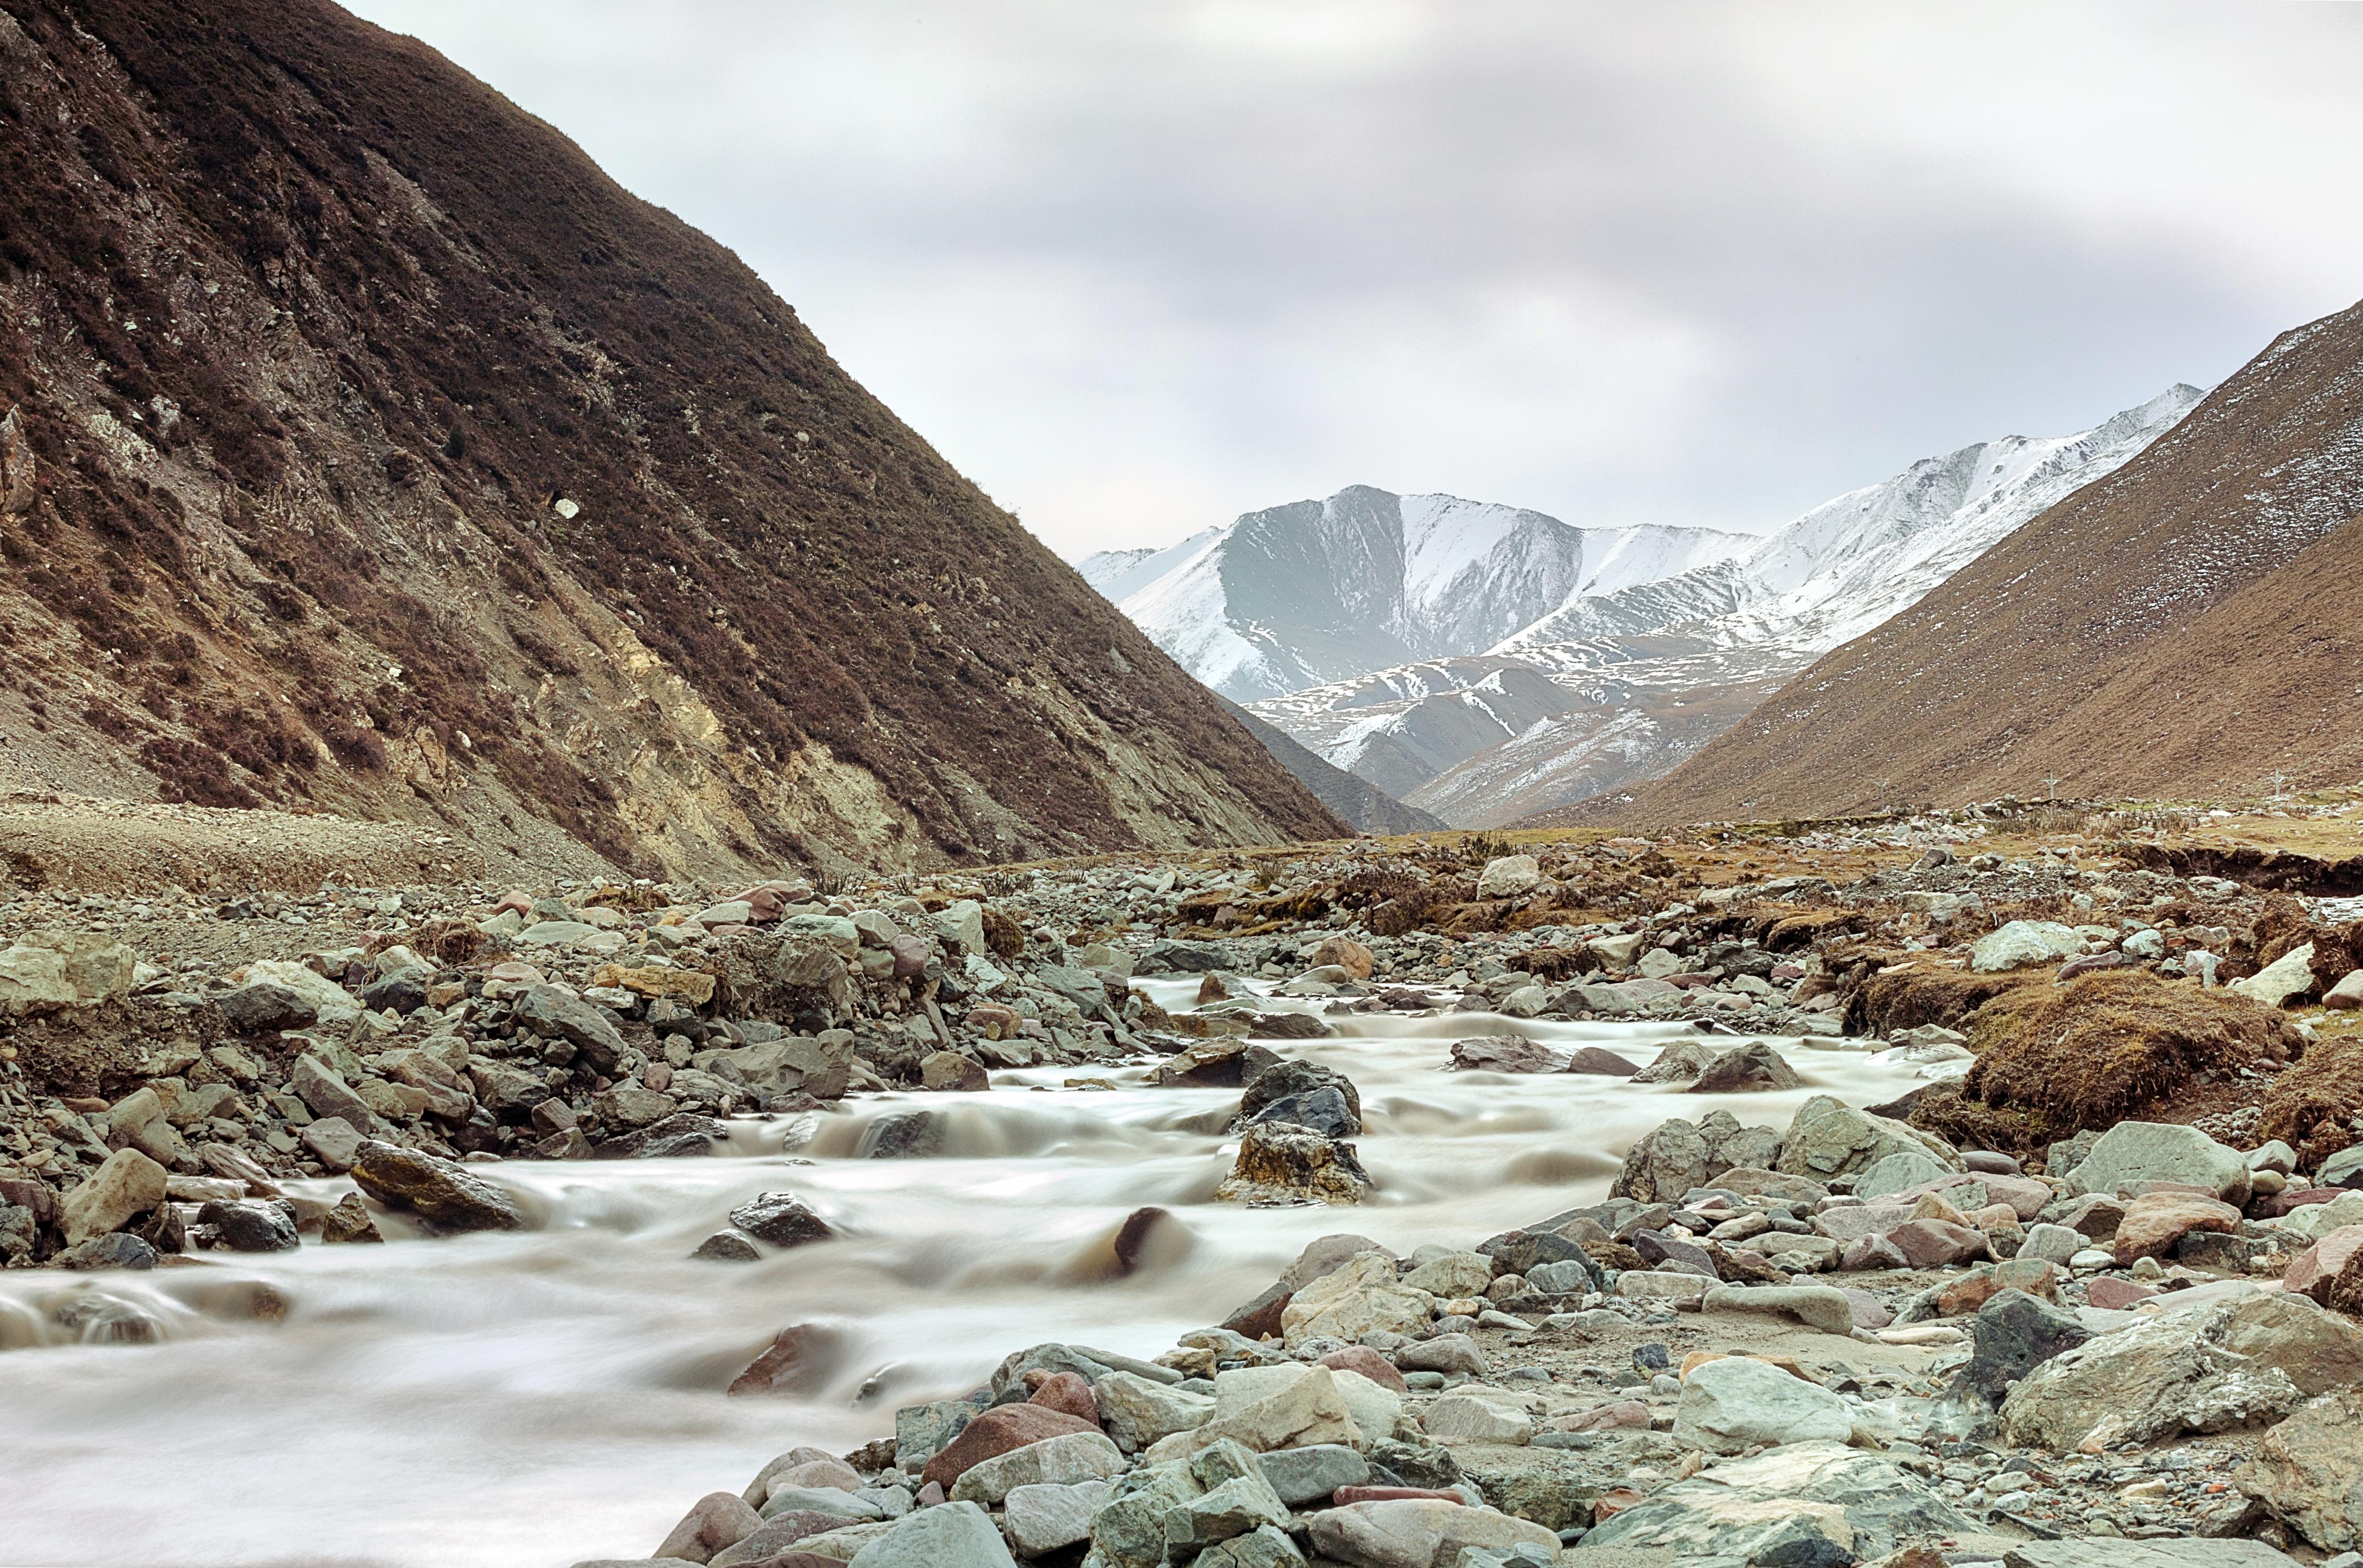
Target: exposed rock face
x=2307, y=1469
x=262, y=442
x=2143, y=1385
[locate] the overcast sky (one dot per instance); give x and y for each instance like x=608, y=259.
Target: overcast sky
x=1138, y=267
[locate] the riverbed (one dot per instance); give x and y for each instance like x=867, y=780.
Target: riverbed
x=515, y=1400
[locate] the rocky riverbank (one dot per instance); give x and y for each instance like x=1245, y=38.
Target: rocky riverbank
x=2029, y=1299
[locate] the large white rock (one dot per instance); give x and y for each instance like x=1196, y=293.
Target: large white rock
x=1827, y=1137
x=1737, y=1402
x=1267, y=1408
x=1137, y=1413
x=1471, y=1418
x=953, y=1535
x=1453, y=1275
x=1363, y=1296
x=2291, y=974
x=128, y=1183
x=1417, y=1532
x=43, y=970
x=2024, y=942
x=1506, y=877
x=331, y=1001
x=962, y=925
x=1040, y=1519
x=1062, y=1460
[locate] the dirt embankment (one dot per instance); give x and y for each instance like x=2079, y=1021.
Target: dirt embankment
x=118, y=847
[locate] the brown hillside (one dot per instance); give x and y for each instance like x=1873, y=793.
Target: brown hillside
x=2184, y=627
x=367, y=448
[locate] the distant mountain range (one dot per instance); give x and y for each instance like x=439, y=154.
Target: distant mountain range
x=2185, y=628
x=1318, y=591
x=1613, y=654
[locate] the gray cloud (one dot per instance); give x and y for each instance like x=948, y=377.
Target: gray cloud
x=1137, y=267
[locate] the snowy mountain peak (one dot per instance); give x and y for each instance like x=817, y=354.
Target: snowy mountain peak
x=1317, y=591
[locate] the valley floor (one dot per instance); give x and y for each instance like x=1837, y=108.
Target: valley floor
x=1959, y=1188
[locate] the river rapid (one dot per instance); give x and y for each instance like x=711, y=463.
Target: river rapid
x=516, y=1400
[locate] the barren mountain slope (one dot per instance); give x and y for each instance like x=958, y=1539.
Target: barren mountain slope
x=369, y=449
x=2183, y=627
x=1358, y=802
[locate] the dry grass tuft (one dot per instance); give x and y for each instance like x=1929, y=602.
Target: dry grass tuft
x=1932, y=993
x=2113, y=1045
x=2312, y=1106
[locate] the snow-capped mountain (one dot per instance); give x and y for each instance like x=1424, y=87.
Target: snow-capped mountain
x=1320, y=591
x=1649, y=671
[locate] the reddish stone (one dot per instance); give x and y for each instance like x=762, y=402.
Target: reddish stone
x=1623, y=1413
x=998, y=1431
x=2154, y=1222
x=1345, y=1496
x=1346, y=955
x=2291, y=1199
x=2319, y=1266
x=1994, y=1216
x=1936, y=1243
x=2036, y=1276
x=1369, y=1363
x=1064, y=1390
x=2114, y=1295
x=1614, y=1501
x=929, y=1496
x=769, y=900
x=1870, y=1252
x=797, y=1361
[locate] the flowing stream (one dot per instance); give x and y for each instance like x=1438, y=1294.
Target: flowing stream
x=526, y=1399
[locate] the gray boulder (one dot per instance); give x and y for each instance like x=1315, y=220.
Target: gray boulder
x=1804, y=1503
x=1739, y=1403
x=557, y=1013
x=2161, y=1151
x=1828, y=1139
x=953, y=1535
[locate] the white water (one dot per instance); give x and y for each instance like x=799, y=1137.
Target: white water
x=528, y=1399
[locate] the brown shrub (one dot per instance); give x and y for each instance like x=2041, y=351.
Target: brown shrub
x=1968, y=1124
x=1931, y=993
x=2112, y=1045
x=2337, y=954
x=2312, y=1107
x=1559, y=962
x=2284, y=926
x=1004, y=933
